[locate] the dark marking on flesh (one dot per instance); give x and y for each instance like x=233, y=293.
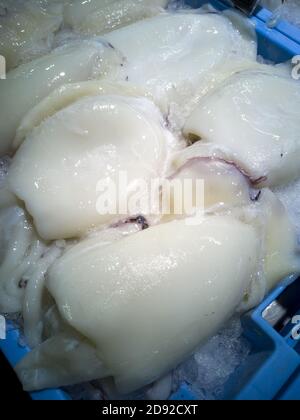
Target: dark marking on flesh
x=251, y=179
x=193, y=138
x=127, y=79
x=167, y=118
x=22, y=283
x=281, y=154
x=140, y=220
x=110, y=45
x=257, y=196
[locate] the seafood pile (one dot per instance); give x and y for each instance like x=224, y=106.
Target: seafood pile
x=102, y=92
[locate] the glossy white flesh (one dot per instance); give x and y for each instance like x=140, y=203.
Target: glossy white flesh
x=66, y=95
x=149, y=300
x=27, y=29
x=170, y=50
x=31, y=82
x=57, y=169
x=101, y=16
x=282, y=256
x=222, y=186
x=64, y=359
x=20, y=249
x=253, y=120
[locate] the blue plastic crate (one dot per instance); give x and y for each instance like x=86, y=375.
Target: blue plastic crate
x=285, y=28
x=277, y=45
x=282, y=26
x=14, y=352
x=273, y=368
x=276, y=354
